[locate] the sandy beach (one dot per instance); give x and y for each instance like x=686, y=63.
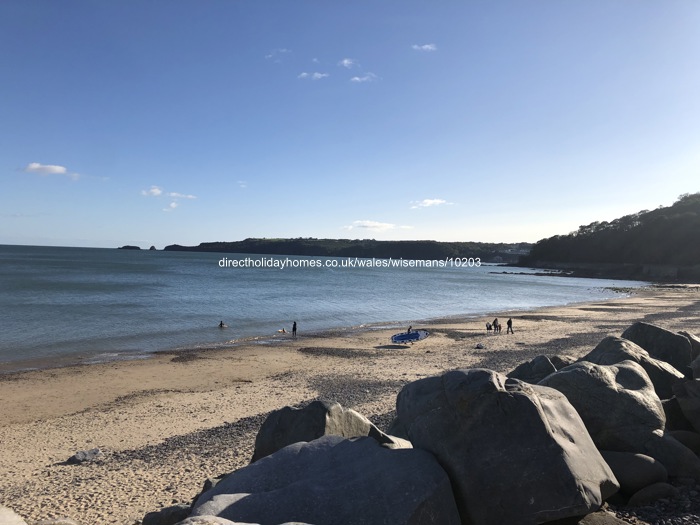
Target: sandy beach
x=167, y=423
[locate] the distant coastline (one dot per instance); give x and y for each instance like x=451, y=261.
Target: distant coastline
x=366, y=248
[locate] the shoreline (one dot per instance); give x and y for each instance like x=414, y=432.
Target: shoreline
x=166, y=424
x=80, y=359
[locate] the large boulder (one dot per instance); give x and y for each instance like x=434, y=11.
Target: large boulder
x=661, y=344
x=533, y=371
x=617, y=403
x=215, y=520
x=614, y=350
x=675, y=418
x=688, y=397
x=622, y=412
x=694, y=343
x=290, y=425
x=515, y=453
x=634, y=471
x=335, y=480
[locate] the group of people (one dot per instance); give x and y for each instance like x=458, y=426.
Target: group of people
x=496, y=326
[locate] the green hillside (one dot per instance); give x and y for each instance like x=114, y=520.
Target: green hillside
x=419, y=250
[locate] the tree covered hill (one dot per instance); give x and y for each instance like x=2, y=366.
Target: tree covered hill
x=423, y=250
x=664, y=236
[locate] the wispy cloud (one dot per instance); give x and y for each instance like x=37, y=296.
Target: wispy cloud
x=427, y=203
x=157, y=191
x=348, y=63
x=372, y=225
x=153, y=191
x=313, y=76
x=46, y=170
x=242, y=184
x=276, y=55
x=368, y=77
x=175, y=195
x=424, y=47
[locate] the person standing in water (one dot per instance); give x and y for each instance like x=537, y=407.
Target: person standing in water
x=294, y=330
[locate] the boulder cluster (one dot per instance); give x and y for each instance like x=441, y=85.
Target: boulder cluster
x=550, y=442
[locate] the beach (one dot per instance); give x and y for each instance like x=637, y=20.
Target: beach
x=167, y=423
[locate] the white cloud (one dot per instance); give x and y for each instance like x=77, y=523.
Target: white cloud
x=50, y=169
x=157, y=191
x=181, y=196
x=242, y=184
x=427, y=203
x=276, y=54
x=348, y=63
x=424, y=47
x=153, y=191
x=369, y=77
x=371, y=225
x=313, y=76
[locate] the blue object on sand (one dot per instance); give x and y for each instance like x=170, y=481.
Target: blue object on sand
x=409, y=337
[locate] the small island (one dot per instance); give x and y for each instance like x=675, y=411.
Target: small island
x=129, y=247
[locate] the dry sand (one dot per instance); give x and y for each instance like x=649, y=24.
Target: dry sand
x=167, y=423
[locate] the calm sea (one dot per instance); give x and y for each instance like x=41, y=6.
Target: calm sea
x=93, y=304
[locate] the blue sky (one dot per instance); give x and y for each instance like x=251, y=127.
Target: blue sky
x=157, y=122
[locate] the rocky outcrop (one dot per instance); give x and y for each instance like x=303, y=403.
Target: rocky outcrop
x=688, y=396
x=533, y=371
x=484, y=427
x=634, y=471
x=617, y=403
x=335, y=480
x=614, y=350
x=622, y=412
x=661, y=344
x=319, y=418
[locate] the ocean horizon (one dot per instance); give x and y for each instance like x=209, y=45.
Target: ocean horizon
x=63, y=305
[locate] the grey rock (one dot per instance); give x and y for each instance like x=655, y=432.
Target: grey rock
x=85, y=456
x=614, y=350
x=652, y=494
x=209, y=520
x=675, y=418
x=688, y=438
x=617, y=403
x=533, y=371
x=634, y=471
x=688, y=396
x=319, y=418
x=601, y=517
x=560, y=361
x=336, y=480
x=694, y=343
x=622, y=412
x=57, y=521
x=10, y=517
x=515, y=453
x=662, y=344
x=167, y=515
x=215, y=520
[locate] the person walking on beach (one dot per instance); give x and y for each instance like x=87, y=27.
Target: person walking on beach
x=509, y=326
x=488, y=328
x=294, y=330
x=496, y=326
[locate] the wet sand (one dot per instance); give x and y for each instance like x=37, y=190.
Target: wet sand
x=167, y=423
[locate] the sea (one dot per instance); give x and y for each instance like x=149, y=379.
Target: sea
x=61, y=305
